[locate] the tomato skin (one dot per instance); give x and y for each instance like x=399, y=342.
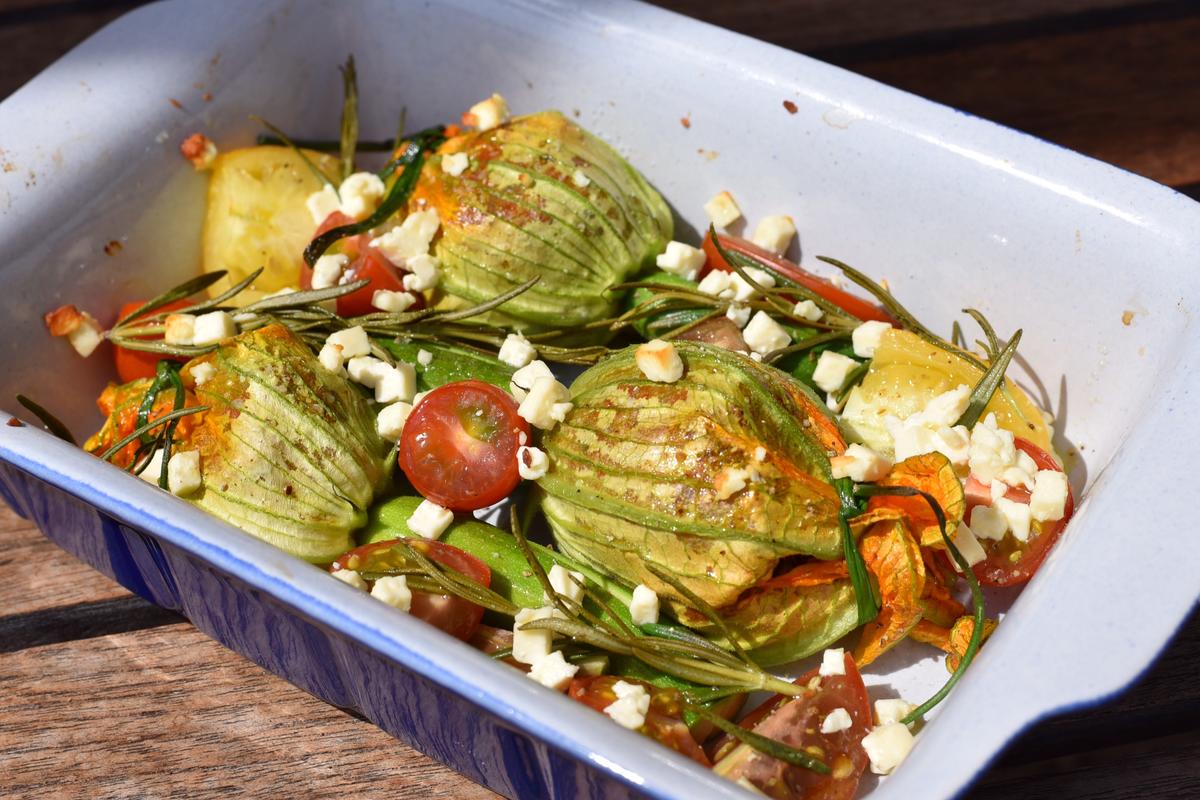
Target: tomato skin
x=664, y=721
x=849, y=303
x=458, y=617
x=451, y=465
x=134, y=364
x=998, y=569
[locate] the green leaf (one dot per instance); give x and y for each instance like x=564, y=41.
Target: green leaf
x=349, y=138
x=53, y=424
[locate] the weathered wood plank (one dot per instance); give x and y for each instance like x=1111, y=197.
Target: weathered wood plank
x=168, y=712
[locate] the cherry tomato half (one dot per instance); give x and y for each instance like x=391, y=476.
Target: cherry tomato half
x=459, y=446
x=857, y=306
x=366, y=263
x=134, y=364
x=797, y=723
x=1010, y=562
x=454, y=615
x=664, y=721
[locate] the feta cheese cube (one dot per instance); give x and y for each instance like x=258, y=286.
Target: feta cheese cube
x=910, y=441
x=659, y=362
x=455, y=164
x=723, y=210
x=743, y=289
x=531, y=646
x=486, y=114
x=517, y=351
x=731, y=480
x=1048, y=501
x=860, y=464
x=968, y=546
x=322, y=203
x=331, y=357
x=538, y=407
x=836, y=721
x=398, y=383
x=643, y=607
x=887, y=746
x=353, y=341
x=424, y=358
x=567, y=583
x=86, y=336
x=360, y=194
x=202, y=373
x=832, y=371
x=764, y=335
x=183, y=473
x=393, y=590
x=366, y=370
x=1018, y=517
x=153, y=469
x=212, y=327
x=892, y=710
x=988, y=523
x=430, y=520
x=328, y=271
x=833, y=662
x=424, y=275
x=954, y=443
x=807, y=309
x=866, y=339
x=409, y=239
x=524, y=378
x=630, y=708
x=532, y=463
x=992, y=451
x=947, y=408
x=716, y=284
x=737, y=314
x=997, y=489
x=553, y=671
x=774, y=233
x=580, y=179
x=351, y=578
x=682, y=260
x=760, y=453
x=389, y=423
x=390, y=301
x=179, y=329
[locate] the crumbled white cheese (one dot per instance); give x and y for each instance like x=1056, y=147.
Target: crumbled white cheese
x=887, y=746
x=212, y=327
x=331, y=357
x=760, y=453
x=743, y=289
x=580, y=179
x=366, y=370
x=738, y=314
x=86, y=336
x=179, y=329
x=682, y=260
x=424, y=273
x=353, y=341
x=860, y=464
x=455, y=164
x=409, y=239
x=531, y=646
x=322, y=203
x=398, y=383
x=153, y=469
x=716, y=284
x=992, y=450
x=553, y=671
x=202, y=373
x=774, y=233
x=946, y=408
x=1048, y=501
x=630, y=708
x=393, y=590
x=567, y=583
x=891, y=710
x=764, y=335
x=731, y=480
x=997, y=489
x=183, y=473
x=967, y=545
x=424, y=357
x=723, y=210
x=391, y=301
x=389, y=423
x=487, y=114
x=866, y=337
x=532, y=462
x=517, y=351
x=327, y=272
x=643, y=606
x=1017, y=515
x=524, y=378
x=350, y=577
x=832, y=370
x=659, y=361
x=833, y=662
x=419, y=396
x=807, y=309
x=430, y=520
x=538, y=407
x=988, y=523
x=360, y=193
x=836, y=721
x=1022, y=472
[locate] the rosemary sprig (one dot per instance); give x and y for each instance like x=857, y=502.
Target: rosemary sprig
x=981, y=395
x=52, y=423
x=349, y=137
x=283, y=137
x=186, y=289
x=108, y=454
x=704, y=608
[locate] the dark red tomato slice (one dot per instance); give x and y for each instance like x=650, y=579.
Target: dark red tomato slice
x=459, y=446
x=860, y=308
x=664, y=721
x=1010, y=562
x=454, y=615
x=134, y=364
x=797, y=723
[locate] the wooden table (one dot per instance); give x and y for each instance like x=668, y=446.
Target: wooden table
x=105, y=695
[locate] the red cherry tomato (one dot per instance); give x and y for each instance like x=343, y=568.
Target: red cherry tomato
x=797, y=722
x=860, y=308
x=366, y=263
x=459, y=446
x=134, y=364
x=454, y=615
x=1010, y=562
x=664, y=721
